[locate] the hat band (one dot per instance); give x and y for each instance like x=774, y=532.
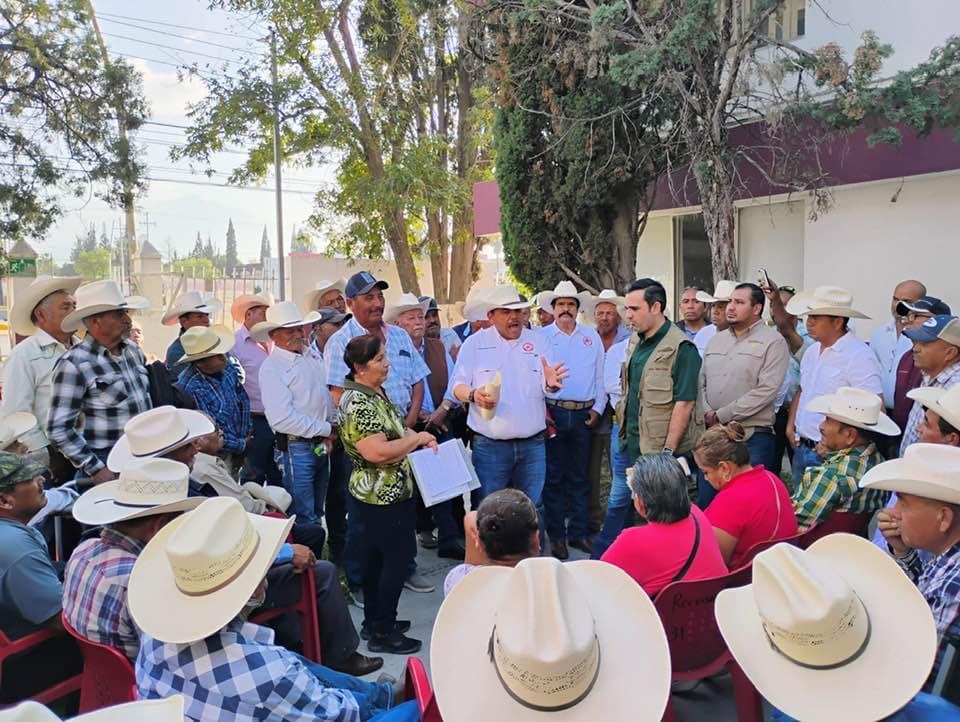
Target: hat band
x=157, y=452
x=846, y=622
x=210, y=579
x=205, y=350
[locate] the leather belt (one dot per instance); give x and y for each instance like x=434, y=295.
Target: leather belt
x=570, y=405
x=312, y=440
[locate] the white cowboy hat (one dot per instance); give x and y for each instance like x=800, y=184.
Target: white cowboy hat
x=157, y=432
x=15, y=425
x=721, y=293
x=607, y=295
x=30, y=297
x=312, y=298
x=199, y=571
x=931, y=471
x=836, y=633
x=146, y=487
x=242, y=304
x=202, y=342
x=538, y=302
x=855, y=407
x=282, y=315
x=543, y=637
x=276, y=496
x=190, y=302
x=564, y=289
x=473, y=308
x=146, y=710
x=824, y=301
x=406, y=302
x=100, y=297
x=945, y=403
x=505, y=296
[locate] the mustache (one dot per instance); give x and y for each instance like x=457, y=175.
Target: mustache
x=566, y=313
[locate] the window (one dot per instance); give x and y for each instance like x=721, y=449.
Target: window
x=787, y=23
x=801, y=26
x=692, y=255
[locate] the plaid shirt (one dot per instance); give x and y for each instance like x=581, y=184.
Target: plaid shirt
x=106, y=390
x=944, y=380
x=939, y=582
x=95, y=590
x=223, y=398
x=832, y=486
x=238, y=674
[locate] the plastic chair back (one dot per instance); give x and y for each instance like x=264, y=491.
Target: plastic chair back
x=306, y=610
x=108, y=677
x=793, y=539
x=9, y=648
x=418, y=688
x=837, y=521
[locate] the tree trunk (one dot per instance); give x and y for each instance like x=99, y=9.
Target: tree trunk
x=714, y=175
x=439, y=256
x=623, y=233
x=402, y=257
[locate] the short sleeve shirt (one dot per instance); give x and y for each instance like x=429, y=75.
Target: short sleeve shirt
x=31, y=593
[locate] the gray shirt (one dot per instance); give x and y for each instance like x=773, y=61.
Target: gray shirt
x=31, y=593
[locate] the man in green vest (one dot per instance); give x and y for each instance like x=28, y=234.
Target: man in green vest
x=659, y=411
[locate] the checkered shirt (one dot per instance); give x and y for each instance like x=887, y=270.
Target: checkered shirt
x=238, y=674
x=832, y=486
x=107, y=390
x=224, y=399
x=939, y=582
x=407, y=366
x=95, y=591
x=944, y=380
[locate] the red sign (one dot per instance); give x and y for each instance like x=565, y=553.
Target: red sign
x=527, y=347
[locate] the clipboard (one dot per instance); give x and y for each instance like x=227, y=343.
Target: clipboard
x=444, y=475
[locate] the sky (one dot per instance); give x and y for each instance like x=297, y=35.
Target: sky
x=170, y=214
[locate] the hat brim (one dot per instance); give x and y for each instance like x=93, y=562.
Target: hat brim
x=547, y=299
x=802, y=305
x=225, y=342
x=884, y=426
x=704, y=297
x=929, y=397
x=98, y=506
x=239, y=308
x=197, y=425
x=921, y=334
x=73, y=321
x=173, y=315
x=32, y=295
x=145, y=710
x=393, y=312
x=311, y=299
x=261, y=331
x=900, y=475
x=618, y=301
x=890, y=671
x=165, y=613
x=382, y=285
x=15, y=425
x=465, y=680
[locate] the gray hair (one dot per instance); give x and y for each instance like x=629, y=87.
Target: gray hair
x=661, y=484
x=45, y=304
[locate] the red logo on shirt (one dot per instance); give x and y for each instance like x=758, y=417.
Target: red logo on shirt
x=587, y=341
x=527, y=347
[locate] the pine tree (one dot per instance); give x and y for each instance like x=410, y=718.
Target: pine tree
x=208, y=250
x=89, y=240
x=230, y=255
x=104, y=239
x=264, y=246
x=197, y=251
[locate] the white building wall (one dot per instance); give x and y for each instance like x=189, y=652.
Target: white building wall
x=655, y=255
x=771, y=237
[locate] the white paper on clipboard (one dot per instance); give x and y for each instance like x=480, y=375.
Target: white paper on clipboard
x=443, y=475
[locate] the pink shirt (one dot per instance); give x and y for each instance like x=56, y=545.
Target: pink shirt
x=754, y=507
x=251, y=354
x=653, y=554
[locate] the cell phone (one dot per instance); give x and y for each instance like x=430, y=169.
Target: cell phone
x=763, y=278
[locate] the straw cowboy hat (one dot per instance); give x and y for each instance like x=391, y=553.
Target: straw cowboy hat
x=945, y=403
x=473, y=308
x=505, y=296
x=721, y=293
x=190, y=302
x=100, y=297
x=15, y=425
x=29, y=298
x=545, y=637
x=199, y=571
x=824, y=301
x=564, y=289
x=282, y=315
x=607, y=295
x=147, y=710
x=931, y=471
x=836, y=633
x=312, y=298
x=157, y=432
x=202, y=342
x=855, y=407
x=242, y=304
x=146, y=487
x=406, y=302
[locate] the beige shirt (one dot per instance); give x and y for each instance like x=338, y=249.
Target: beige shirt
x=210, y=470
x=741, y=375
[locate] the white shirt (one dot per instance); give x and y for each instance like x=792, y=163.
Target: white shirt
x=612, y=367
x=703, y=337
x=520, y=413
x=889, y=348
x=582, y=353
x=849, y=362
x=295, y=395
x=28, y=382
x=449, y=339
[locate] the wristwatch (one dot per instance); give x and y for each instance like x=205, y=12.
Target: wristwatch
x=667, y=450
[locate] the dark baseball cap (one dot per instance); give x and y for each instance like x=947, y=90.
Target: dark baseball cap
x=432, y=306
x=942, y=327
x=363, y=282
x=331, y=315
x=925, y=304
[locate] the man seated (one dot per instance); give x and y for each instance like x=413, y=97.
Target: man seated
x=191, y=592
x=848, y=450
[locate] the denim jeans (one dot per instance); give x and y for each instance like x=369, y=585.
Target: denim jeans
x=335, y=514
x=259, y=463
x=620, y=503
x=305, y=477
x=761, y=446
x=803, y=456
x=516, y=463
x=375, y=698
x=566, y=491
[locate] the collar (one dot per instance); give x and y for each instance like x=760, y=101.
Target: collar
x=947, y=557
x=358, y=330
x=114, y=538
x=556, y=330
x=866, y=450
x=97, y=348
x=44, y=339
x=243, y=333
x=944, y=377
x=287, y=356
x=658, y=336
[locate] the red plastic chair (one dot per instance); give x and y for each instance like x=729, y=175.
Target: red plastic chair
x=794, y=539
x=837, y=521
x=697, y=649
x=10, y=648
x=107, y=677
x=418, y=688
x=306, y=609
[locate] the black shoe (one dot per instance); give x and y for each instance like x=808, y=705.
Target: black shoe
x=454, y=551
x=401, y=625
x=358, y=665
x=584, y=545
x=559, y=550
x=395, y=643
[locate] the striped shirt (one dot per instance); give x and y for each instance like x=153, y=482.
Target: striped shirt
x=833, y=486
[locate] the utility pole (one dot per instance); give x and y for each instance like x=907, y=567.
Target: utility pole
x=276, y=160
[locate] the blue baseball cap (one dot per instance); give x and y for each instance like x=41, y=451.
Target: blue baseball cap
x=942, y=327
x=363, y=282
x=925, y=304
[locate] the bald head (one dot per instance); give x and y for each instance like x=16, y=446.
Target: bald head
x=908, y=292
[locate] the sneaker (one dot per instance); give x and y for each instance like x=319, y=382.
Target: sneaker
x=356, y=597
x=417, y=583
x=401, y=625
x=394, y=643
x=428, y=540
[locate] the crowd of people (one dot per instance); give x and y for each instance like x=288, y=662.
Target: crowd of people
x=205, y=485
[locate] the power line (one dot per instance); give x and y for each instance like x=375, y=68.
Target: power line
x=170, y=47
x=227, y=185
x=181, y=27
x=177, y=35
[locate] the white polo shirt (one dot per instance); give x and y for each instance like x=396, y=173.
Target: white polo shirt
x=582, y=353
x=849, y=362
x=889, y=348
x=612, y=367
x=520, y=413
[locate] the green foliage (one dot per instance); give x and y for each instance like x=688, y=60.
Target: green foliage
x=230, y=254
x=303, y=242
x=94, y=265
x=196, y=267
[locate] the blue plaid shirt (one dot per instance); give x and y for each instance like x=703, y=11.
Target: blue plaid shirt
x=238, y=674
x=224, y=399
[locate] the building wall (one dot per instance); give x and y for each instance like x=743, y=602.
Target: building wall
x=655, y=255
x=771, y=237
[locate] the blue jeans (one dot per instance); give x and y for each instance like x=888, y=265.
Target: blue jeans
x=566, y=491
x=620, y=502
x=375, y=698
x=516, y=463
x=803, y=457
x=305, y=477
x=761, y=445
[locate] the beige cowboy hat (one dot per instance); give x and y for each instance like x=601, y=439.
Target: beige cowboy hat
x=157, y=432
x=312, y=298
x=836, y=633
x=931, y=471
x=146, y=710
x=190, y=302
x=242, y=304
x=505, y=296
x=15, y=425
x=202, y=342
x=855, y=407
x=276, y=496
x=564, y=289
x=473, y=308
x=945, y=403
x=282, y=315
x=146, y=487
x=544, y=637
x=406, y=302
x=30, y=297
x=607, y=295
x=100, y=297
x=824, y=301
x=199, y=571
x=722, y=293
